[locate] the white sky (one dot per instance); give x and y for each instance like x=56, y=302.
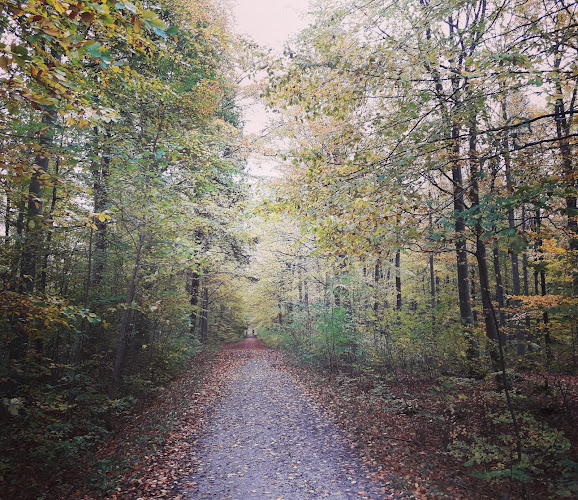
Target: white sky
x=269, y=23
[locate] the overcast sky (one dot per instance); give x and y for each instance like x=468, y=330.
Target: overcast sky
x=269, y=23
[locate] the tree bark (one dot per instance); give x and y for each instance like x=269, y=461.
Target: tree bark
x=432, y=278
x=194, y=289
x=563, y=133
x=122, y=337
x=487, y=307
x=499, y=285
x=101, y=173
x=398, y=302
x=543, y=290
x=33, y=228
x=44, y=272
x=205, y=315
x=464, y=296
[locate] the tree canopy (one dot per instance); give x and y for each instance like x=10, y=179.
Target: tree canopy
x=424, y=224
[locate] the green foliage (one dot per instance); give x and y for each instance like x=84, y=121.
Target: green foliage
x=56, y=422
x=320, y=335
x=426, y=195
x=119, y=127
x=545, y=451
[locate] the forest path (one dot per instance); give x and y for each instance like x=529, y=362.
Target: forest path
x=265, y=439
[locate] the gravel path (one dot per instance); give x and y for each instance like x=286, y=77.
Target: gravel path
x=266, y=440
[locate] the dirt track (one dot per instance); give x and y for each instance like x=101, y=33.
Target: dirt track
x=252, y=343
x=266, y=440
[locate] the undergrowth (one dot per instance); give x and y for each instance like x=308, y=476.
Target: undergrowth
x=451, y=437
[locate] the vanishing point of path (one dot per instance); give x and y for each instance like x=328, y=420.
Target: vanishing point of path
x=265, y=439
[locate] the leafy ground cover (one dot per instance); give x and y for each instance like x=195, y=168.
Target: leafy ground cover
x=436, y=438
x=142, y=458
x=266, y=440
x=449, y=437
x=157, y=454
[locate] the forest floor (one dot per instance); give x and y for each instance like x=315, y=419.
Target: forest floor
x=267, y=440
x=247, y=423
x=248, y=431
x=405, y=424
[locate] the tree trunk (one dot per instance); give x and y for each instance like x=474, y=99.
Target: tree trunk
x=205, y=315
x=44, y=272
x=376, y=277
x=520, y=334
x=30, y=225
x=465, y=302
x=563, y=135
x=79, y=345
x=33, y=228
x=489, y=320
x=122, y=338
x=499, y=285
x=19, y=226
x=337, y=295
x=101, y=172
x=194, y=289
x=432, y=278
x=545, y=317
x=7, y=221
x=474, y=296
x=299, y=265
x=526, y=287
x=543, y=290
x=487, y=307
x=398, y=280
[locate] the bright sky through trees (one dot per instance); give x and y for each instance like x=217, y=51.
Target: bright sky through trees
x=270, y=23
x=406, y=230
